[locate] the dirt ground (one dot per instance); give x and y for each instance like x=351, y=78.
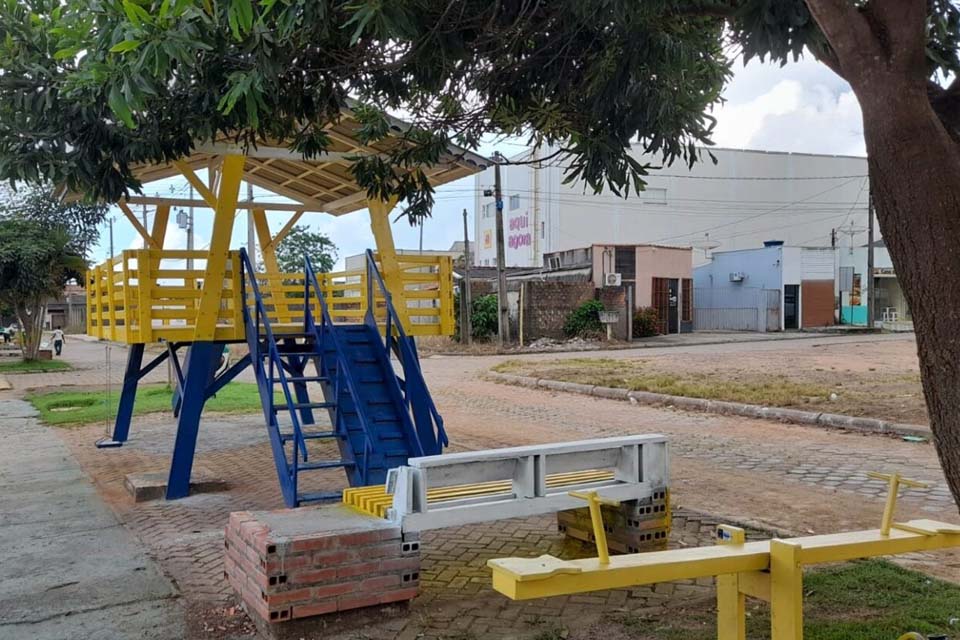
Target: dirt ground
x=873, y=379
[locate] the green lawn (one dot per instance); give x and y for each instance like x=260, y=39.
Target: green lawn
x=84, y=407
x=865, y=600
x=34, y=366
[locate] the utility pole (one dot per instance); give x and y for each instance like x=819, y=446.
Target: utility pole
x=190, y=232
x=421, y=235
x=466, y=305
x=143, y=214
x=870, y=287
x=503, y=318
x=111, y=219
x=251, y=229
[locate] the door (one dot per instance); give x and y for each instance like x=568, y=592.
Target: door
x=791, y=306
x=673, y=315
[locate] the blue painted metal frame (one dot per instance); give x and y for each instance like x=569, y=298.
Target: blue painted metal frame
x=128, y=395
x=416, y=397
x=339, y=379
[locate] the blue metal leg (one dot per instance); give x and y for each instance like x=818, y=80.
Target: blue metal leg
x=121, y=427
x=303, y=396
x=202, y=363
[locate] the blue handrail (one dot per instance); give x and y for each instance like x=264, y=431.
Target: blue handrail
x=343, y=363
x=247, y=274
x=412, y=374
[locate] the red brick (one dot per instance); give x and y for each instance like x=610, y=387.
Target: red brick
x=379, y=583
x=358, y=600
x=314, y=543
x=314, y=609
x=286, y=597
x=331, y=590
x=286, y=563
x=311, y=576
x=392, y=533
x=334, y=558
x=382, y=550
x=399, y=564
x=399, y=594
x=359, y=538
x=360, y=569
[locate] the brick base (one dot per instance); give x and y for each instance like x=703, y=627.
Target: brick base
x=632, y=527
x=306, y=562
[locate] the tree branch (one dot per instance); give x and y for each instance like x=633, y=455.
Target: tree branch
x=848, y=33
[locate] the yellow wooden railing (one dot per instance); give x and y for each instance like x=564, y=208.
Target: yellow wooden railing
x=148, y=295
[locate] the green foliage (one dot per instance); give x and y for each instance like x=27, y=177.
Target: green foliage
x=483, y=317
x=34, y=366
x=584, y=321
x=85, y=407
x=302, y=241
x=80, y=220
x=645, y=323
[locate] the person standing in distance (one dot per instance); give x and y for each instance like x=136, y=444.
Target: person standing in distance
x=58, y=340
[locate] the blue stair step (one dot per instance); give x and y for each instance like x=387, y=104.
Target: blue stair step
x=309, y=435
x=304, y=405
x=294, y=379
x=324, y=464
x=320, y=496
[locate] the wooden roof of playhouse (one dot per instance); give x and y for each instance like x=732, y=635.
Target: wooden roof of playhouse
x=324, y=184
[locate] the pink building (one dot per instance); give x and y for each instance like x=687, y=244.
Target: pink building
x=657, y=276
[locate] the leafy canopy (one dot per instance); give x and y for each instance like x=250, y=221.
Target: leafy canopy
x=90, y=87
x=36, y=261
x=301, y=241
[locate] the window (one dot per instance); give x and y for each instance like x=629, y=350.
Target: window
x=514, y=203
x=653, y=195
x=625, y=262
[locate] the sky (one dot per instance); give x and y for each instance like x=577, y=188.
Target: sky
x=802, y=107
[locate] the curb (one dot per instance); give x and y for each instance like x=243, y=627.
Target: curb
x=793, y=416
x=5, y=384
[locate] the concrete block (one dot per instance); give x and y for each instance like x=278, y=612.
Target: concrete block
x=152, y=485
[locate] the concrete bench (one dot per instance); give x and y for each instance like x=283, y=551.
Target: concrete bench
x=479, y=486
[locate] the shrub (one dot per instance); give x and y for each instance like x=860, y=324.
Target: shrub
x=483, y=316
x=584, y=321
x=645, y=323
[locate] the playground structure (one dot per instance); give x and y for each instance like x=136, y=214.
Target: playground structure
x=347, y=326
x=770, y=570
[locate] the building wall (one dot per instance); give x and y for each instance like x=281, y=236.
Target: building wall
x=547, y=305
x=660, y=262
x=708, y=199
x=761, y=268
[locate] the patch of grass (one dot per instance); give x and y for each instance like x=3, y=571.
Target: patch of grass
x=636, y=375
x=864, y=600
x=34, y=366
x=84, y=407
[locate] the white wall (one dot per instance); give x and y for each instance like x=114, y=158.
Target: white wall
x=681, y=206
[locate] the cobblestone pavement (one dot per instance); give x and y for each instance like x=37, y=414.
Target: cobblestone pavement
x=794, y=478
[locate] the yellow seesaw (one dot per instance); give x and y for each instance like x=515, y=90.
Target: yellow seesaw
x=771, y=570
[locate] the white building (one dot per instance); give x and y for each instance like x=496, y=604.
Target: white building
x=745, y=198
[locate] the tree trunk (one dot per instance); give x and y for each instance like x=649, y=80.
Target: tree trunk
x=915, y=176
x=30, y=316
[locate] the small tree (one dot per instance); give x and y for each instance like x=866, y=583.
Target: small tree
x=36, y=262
x=302, y=241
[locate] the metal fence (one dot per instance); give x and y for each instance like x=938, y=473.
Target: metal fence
x=736, y=309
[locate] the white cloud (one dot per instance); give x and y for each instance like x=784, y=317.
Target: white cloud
x=800, y=107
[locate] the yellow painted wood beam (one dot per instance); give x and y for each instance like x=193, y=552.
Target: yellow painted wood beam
x=208, y=308
x=132, y=217
x=160, y=220
x=387, y=252
x=205, y=192
x=286, y=228
x=268, y=251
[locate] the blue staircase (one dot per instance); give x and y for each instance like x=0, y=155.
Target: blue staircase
x=377, y=418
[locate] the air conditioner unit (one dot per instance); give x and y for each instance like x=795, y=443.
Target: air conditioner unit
x=737, y=276
x=612, y=280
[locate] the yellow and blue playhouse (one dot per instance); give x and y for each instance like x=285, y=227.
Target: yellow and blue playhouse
x=335, y=331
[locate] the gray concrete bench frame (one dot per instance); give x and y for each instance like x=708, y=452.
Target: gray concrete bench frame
x=640, y=466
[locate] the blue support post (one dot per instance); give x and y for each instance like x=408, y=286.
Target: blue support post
x=202, y=363
x=300, y=390
x=131, y=376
